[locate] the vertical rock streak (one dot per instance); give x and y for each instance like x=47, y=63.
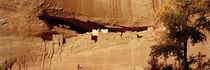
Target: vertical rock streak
x=130, y=8
x=108, y=8
x=116, y=8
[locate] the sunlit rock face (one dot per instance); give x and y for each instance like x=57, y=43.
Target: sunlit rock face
x=125, y=12
x=17, y=17
x=112, y=51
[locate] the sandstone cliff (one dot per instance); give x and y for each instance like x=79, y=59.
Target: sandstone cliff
x=121, y=12
x=23, y=48
x=108, y=12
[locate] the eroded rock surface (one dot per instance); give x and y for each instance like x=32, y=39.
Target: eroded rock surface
x=23, y=48
x=120, y=12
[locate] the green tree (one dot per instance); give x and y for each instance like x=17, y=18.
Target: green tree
x=184, y=20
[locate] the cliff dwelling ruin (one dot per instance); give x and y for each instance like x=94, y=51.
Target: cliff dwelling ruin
x=83, y=27
x=85, y=34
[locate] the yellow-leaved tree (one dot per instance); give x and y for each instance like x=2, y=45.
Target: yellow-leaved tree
x=184, y=20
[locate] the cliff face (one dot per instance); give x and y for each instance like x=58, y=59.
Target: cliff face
x=17, y=17
x=121, y=12
x=107, y=12
x=113, y=51
x=110, y=8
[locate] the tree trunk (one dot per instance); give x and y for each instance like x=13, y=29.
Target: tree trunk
x=186, y=66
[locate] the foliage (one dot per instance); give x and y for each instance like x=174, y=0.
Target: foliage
x=155, y=65
x=176, y=16
x=198, y=62
x=163, y=49
x=183, y=19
